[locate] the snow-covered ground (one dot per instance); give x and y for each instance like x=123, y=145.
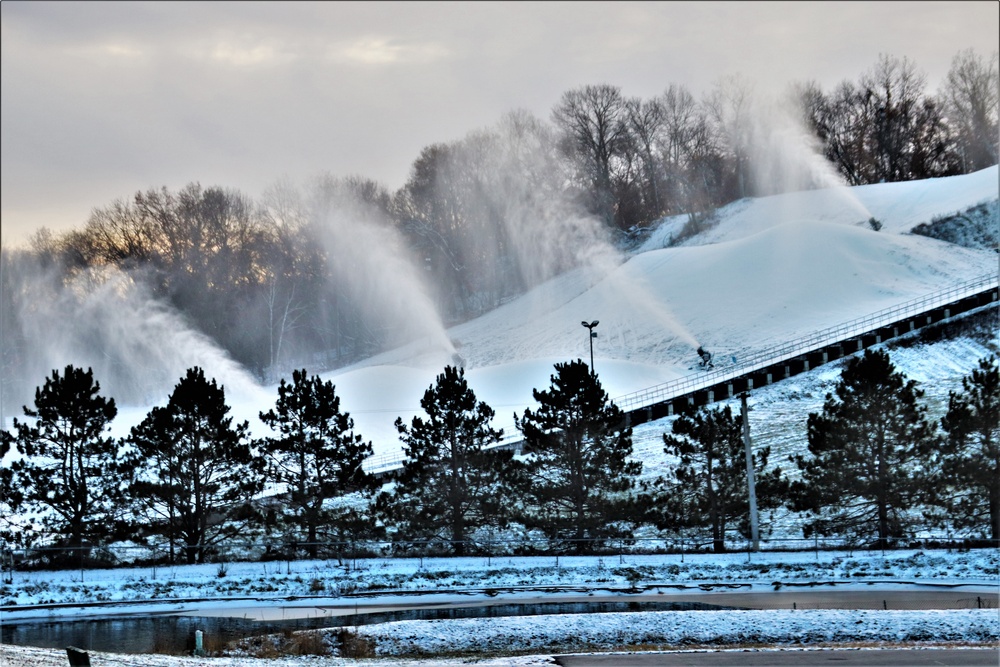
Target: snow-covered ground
x=768, y=270
x=394, y=576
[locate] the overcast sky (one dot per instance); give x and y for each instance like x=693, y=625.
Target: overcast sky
x=100, y=100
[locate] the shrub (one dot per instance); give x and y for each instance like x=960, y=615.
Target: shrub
x=309, y=643
x=352, y=645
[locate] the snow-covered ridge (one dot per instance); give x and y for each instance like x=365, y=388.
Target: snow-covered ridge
x=898, y=206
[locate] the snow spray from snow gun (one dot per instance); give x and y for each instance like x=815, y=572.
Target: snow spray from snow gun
x=371, y=264
x=637, y=293
x=785, y=156
x=137, y=345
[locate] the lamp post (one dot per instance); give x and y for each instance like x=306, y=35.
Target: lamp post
x=590, y=327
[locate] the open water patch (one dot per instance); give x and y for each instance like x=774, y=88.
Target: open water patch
x=174, y=635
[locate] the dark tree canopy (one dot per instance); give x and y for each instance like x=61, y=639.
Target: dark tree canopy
x=317, y=456
x=869, y=448
x=12, y=530
x=969, y=488
x=198, y=471
x=70, y=471
x=595, y=132
x=451, y=484
x=708, y=485
x=579, y=475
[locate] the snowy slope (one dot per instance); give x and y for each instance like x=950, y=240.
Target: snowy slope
x=898, y=206
x=771, y=270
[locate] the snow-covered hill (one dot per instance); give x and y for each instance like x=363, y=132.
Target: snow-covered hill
x=898, y=206
x=768, y=270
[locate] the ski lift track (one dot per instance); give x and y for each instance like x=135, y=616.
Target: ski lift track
x=779, y=362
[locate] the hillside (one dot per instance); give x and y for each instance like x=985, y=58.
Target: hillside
x=768, y=270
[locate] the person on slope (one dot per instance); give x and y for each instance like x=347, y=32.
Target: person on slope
x=706, y=358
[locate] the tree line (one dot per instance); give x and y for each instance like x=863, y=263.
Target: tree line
x=485, y=217
x=876, y=469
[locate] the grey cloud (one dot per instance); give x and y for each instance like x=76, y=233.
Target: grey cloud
x=102, y=97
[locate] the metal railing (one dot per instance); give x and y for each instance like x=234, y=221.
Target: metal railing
x=382, y=463
x=290, y=550
x=777, y=354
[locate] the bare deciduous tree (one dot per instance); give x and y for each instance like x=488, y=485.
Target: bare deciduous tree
x=971, y=95
x=593, y=122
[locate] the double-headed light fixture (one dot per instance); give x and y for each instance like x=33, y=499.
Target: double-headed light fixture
x=590, y=326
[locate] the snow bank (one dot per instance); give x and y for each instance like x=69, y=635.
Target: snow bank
x=590, y=632
x=672, y=629
x=273, y=583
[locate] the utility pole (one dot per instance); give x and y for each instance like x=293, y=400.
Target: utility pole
x=751, y=484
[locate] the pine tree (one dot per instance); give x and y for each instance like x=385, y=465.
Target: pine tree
x=452, y=483
x=869, y=449
x=198, y=470
x=11, y=530
x=318, y=456
x=579, y=475
x=970, y=483
x=708, y=485
x=70, y=471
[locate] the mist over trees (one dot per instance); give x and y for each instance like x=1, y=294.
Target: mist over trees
x=294, y=277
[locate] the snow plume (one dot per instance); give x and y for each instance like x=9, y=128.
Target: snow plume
x=505, y=189
x=546, y=230
x=511, y=183
x=105, y=319
x=786, y=157
x=634, y=290
x=776, y=153
x=372, y=269
x=546, y=223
